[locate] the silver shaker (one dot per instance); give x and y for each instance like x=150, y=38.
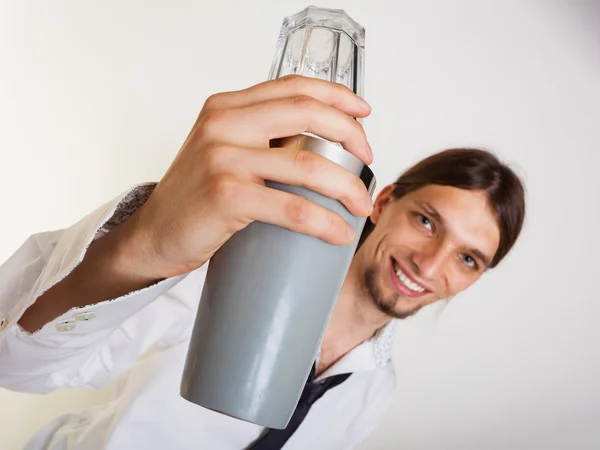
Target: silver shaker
x=270, y=292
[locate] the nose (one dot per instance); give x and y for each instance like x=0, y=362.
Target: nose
x=429, y=261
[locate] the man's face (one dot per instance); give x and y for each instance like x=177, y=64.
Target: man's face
x=428, y=245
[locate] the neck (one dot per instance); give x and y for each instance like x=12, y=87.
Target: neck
x=355, y=318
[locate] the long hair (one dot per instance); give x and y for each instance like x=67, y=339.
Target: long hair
x=471, y=169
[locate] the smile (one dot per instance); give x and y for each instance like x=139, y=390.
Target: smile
x=404, y=283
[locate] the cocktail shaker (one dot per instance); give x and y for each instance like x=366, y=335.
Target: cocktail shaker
x=270, y=292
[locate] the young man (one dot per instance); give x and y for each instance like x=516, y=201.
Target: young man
x=114, y=296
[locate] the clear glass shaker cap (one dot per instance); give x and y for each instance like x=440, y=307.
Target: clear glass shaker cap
x=321, y=43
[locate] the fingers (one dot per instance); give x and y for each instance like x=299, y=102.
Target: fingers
x=293, y=212
x=335, y=95
x=257, y=124
x=306, y=169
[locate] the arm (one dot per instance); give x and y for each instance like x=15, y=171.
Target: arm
x=111, y=268
x=59, y=345
x=214, y=187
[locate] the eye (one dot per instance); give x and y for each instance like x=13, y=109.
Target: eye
x=470, y=261
x=425, y=221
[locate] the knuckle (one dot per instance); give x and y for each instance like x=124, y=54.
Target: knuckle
x=291, y=81
x=212, y=102
x=215, y=158
x=357, y=128
x=333, y=223
x=335, y=226
x=224, y=189
x=211, y=120
x=342, y=90
x=354, y=192
x=303, y=101
x=297, y=211
x=357, y=186
x=307, y=162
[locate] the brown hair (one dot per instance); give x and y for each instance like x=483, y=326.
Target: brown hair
x=471, y=169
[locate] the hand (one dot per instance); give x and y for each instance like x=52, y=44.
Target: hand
x=215, y=185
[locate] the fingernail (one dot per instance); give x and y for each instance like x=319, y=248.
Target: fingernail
x=369, y=204
x=363, y=104
x=350, y=232
x=370, y=151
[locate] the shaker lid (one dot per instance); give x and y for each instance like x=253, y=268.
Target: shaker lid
x=321, y=43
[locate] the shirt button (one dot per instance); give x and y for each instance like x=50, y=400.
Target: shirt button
x=3, y=323
x=89, y=315
x=65, y=326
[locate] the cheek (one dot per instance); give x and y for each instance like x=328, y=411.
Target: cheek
x=401, y=233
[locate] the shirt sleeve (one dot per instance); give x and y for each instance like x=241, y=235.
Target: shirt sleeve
x=86, y=346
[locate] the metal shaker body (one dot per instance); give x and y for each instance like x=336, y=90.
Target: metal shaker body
x=267, y=299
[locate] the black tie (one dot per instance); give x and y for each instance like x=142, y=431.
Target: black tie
x=276, y=439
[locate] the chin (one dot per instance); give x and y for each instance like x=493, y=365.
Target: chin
x=395, y=310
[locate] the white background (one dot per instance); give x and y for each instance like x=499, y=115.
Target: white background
x=96, y=96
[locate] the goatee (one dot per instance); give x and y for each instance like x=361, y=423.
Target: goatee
x=385, y=303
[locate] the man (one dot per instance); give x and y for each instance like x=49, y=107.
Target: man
x=114, y=296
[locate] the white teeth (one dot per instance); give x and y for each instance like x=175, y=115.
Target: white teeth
x=406, y=281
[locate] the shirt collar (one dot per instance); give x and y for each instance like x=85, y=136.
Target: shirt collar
x=373, y=354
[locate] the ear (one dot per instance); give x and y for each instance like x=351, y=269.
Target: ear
x=384, y=197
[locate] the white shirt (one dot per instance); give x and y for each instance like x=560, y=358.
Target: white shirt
x=140, y=341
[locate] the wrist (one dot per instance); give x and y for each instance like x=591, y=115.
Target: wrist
x=128, y=250
x=113, y=266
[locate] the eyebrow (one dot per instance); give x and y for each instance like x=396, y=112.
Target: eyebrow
x=481, y=256
x=438, y=217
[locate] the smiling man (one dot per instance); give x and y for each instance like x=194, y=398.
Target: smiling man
x=431, y=235
x=445, y=236
x=113, y=297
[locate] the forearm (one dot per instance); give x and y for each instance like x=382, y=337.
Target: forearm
x=111, y=268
